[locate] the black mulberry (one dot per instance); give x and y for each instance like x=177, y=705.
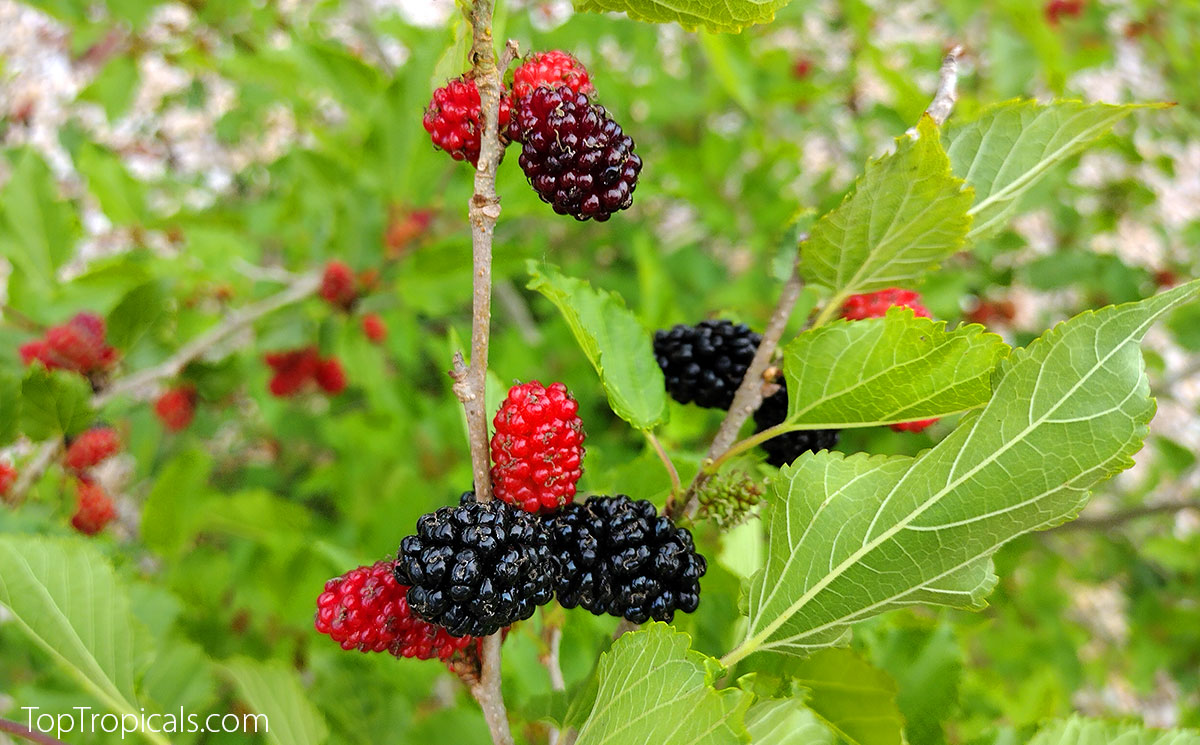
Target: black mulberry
x=476, y=568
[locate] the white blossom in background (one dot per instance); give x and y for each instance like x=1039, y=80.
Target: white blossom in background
x=426, y=13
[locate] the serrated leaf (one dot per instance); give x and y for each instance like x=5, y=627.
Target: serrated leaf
x=727, y=16
x=906, y=214
x=654, y=690
x=885, y=370
x=614, y=341
x=1078, y=731
x=275, y=692
x=785, y=722
x=38, y=227
x=851, y=537
x=54, y=403
x=64, y=596
x=1009, y=147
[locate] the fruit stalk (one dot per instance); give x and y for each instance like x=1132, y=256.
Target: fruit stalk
x=749, y=394
x=483, y=212
x=470, y=383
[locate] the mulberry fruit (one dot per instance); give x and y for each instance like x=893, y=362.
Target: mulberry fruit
x=365, y=609
x=374, y=328
x=575, y=156
x=94, y=509
x=91, y=448
x=783, y=449
x=617, y=556
x=704, y=364
x=453, y=119
x=537, y=450
x=876, y=304
x=77, y=345
x=8, y=476
x=550, y=69
x=918, y=426
x=299, y=369
x=338, y=286
x=476, y=568
x=176, y=408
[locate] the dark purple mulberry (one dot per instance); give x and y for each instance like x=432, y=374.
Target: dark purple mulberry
x=575, y=156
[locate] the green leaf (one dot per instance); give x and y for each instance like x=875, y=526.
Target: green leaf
x=785, y=722
x=728, y=16
x=54, y=403
x=137, y=313
x=274, y=691
x=64, y=596
x=654, y=689
x=176, y=502
x=1078, y=731
x=614, y=341
x=38, y=228
x=120, y=195
x=853, y=698
x=906, y=214
x=1011, y=146
x=10, y=407
x=892, y=369
x=851, y=537
x=114, y=86
x=926, y=663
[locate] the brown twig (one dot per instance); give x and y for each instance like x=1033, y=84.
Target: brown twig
x=20, y=319
x=470, y=383
x=947, y=91
x=487, y=692
x=1119, y=518
x=749, y=394
x=550, y=660
x=33, y=469
x=139, y=382
x=25, y=733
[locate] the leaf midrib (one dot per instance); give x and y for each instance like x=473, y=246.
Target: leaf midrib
x=870, y=545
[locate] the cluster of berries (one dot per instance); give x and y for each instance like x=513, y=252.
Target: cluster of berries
x=576, y=157
x=476, y=568
x=76, y=346
x=94, y=508
x=342, y=289
x=705, y=364
x=297, y=370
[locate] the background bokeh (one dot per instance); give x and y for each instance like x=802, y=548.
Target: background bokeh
x=208, y=149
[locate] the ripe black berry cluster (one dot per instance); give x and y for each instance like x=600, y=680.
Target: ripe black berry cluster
x=478, y=567
x=704, y=364
x=618, y=556
x=783, y=449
